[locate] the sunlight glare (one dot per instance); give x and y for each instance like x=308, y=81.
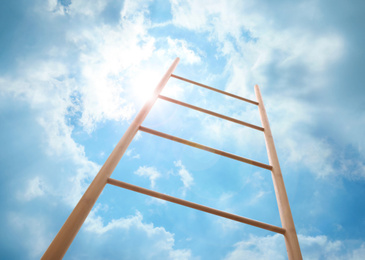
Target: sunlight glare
x=144, y=86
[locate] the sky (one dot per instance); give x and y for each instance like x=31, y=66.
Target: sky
x=74, y=74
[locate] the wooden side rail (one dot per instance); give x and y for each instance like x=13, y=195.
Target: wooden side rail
x=215, y=89
x=211, y=113
x=291, y=238
x=196, y=206
x=206, y=148
x=70, y=228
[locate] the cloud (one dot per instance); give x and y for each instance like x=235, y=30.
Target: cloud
x=134, y=8
x=225, y=202
x=31, y=227
x=131, y=153
x=293, y=60
x=181, y=48
x=112, y=60
x=76, y=7
x=132, y=234
x=149, y=172
x=319, y=153
x=312, y=247
x=186, y=177
x=153, y=174
x=105, y=69
x=35, y=188
x=320, y=247
x=269, y=247
x=46, y=87
x=188, y=14
x=86, y=8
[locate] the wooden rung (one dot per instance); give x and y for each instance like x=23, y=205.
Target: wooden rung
x=196, y=206
x=215, y=89
x=211, y=113
x=206, y=148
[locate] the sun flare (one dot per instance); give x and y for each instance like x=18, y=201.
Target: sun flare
x=144, y=86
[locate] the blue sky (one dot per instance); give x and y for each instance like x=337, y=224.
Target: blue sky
x=73, y=74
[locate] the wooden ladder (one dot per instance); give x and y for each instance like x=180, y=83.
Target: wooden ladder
x=70, y=228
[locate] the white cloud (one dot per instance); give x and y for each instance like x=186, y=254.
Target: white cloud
x=118, y=63
x=189, y=14
x=33, y=228
x=149, y=172
x=47, y=88
x=55, y=7
x=87, y=8
x=134, y=7
x=94, y=223
x=288, y=59
x=269, y=247
x=181, y=48
x=312, y=247
x=153, y=174
x=35, y=188
x=186, y=177
x=110, y=60
x=146, y=240
x=296, y=144
x=52, y=4
x=225, y=202
x=357, y=254
x=155, y=201
x=131, y=153
x=104, y=70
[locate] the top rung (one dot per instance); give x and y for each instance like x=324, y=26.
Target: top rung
x=216, y=90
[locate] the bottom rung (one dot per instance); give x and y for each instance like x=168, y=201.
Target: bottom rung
x=196, y=206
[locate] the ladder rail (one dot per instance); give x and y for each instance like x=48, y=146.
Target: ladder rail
x=291, y=238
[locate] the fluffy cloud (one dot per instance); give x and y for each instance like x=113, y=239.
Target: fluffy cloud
x=31, y=227
x=132, y=154
x=110, y=52
x=270, y=247
x=181, y=48
x=185, y=176
x=312, y=247
x=148, y=241
x=293, y=63
x=149, y=172
x=76, y=7
x=34, y=188
x=46, y=88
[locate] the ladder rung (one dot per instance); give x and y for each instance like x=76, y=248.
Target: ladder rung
x=216, y=90
x=206, y=148
x=211, y=113
x=196, y=206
